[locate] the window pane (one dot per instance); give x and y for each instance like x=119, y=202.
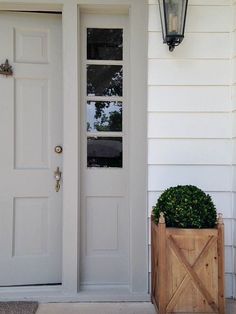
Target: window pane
x=104, y=152
x=104, y=80
x=104, y=116
x=104, y=44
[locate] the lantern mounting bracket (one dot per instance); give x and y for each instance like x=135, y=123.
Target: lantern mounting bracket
x=173, y=41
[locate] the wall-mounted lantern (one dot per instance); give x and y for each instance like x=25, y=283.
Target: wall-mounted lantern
x=173, y=17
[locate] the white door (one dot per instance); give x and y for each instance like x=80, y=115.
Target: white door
x=104, y=141
x=30, y=128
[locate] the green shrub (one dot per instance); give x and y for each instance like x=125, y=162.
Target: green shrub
x=186, y=206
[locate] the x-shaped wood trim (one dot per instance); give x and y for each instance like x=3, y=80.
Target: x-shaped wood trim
x=191, y=273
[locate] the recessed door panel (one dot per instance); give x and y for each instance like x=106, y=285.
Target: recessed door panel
x=31, y=124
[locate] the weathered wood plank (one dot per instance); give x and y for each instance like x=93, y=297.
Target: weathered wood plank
x=221, y=266
x=197, y=281
x=187, y=269
x=197, y=264
x=196, y=233
x=162, y=265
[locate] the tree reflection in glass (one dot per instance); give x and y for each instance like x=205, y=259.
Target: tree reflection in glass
x=104, y=80
x=104, y=152
x=104, y=116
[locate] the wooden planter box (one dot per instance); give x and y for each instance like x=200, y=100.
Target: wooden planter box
x=187, y=269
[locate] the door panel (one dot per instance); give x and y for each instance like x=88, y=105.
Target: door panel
x=30, y=128
x=31, y=117
x=104, y=142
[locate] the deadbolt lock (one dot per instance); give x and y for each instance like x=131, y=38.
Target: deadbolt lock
x=58, y=149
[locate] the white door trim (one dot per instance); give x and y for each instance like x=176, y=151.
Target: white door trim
x=138, y=146
x=71, y=148
x=137, y=150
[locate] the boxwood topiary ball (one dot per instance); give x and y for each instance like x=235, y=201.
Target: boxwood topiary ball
x=186, y=206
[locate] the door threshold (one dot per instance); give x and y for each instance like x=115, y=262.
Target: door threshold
x=111, y=293
x=56, y=294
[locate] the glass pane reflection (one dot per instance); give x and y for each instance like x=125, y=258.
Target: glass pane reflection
x=104, y=152
x=104, y=80
x=104, y=116
x=104, y=44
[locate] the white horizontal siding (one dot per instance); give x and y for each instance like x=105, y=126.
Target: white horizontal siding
x=234, y=124
x=234, y=205
x=229, y=267
x=234, y=234
x=194, y=46
x=208, y=178
x=189, y=125
x=229, y=285
x=228, y=232
x=234, y=151
x=223, y=203
x=172, y=151
x=189, y=72
x=234, y=237
x=233, y=95
x=233, y=67
x=235, y=260
x=199, y=19
x=190, y=101
x=234, y=180
x=233, y=74
x=209, y=18
x=189, y=98
x=234, y=15
x=234, y=43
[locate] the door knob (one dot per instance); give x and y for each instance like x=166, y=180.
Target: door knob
x=58, y=149
x=57, y=176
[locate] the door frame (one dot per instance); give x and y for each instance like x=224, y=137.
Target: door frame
x=137, y=9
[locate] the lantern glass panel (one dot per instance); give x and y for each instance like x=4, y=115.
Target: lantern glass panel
x=173, y=14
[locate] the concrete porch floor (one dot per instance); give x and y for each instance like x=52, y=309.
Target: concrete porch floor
x=108, y=308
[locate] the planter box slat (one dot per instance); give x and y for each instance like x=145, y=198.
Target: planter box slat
x=187, y=269
x=194, y=232
x=221, y=266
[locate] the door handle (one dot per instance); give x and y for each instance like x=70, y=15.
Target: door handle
x=57, y=176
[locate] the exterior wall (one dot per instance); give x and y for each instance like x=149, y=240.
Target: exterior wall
x=233, y=75
x=190, y=111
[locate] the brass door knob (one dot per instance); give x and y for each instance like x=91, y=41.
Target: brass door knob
x=58, y=149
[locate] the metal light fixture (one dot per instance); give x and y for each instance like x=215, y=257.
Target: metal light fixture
x=173, y=17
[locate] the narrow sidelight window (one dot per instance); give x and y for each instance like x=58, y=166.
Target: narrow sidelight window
x=104, y=68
